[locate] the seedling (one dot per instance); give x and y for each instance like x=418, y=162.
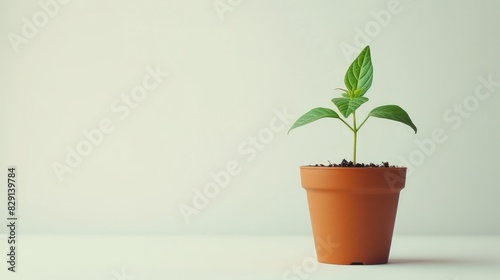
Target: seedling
x=358, y=79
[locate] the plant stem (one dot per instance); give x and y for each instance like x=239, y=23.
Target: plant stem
x=347, y=125
x=355, y=130
x=359, y=127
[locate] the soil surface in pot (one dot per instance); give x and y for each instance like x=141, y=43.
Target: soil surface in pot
x=346, y=163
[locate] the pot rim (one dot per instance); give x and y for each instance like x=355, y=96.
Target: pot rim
x=370, y=179
x=350, y=168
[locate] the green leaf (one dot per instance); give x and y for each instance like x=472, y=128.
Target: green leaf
x=313, y=115
x=347, y=106
x=393, y=112
x=357, y=92
x=359, y=76
x=345, y=93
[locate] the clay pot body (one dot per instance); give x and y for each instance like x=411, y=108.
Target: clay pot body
x=353, y=210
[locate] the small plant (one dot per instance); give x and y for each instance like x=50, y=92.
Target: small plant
x=357, y=80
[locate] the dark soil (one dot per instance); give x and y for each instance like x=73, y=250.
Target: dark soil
x=346, y=163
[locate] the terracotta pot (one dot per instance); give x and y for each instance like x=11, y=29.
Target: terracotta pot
x=353, y=210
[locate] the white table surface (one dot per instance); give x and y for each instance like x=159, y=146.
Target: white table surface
x=242, y=257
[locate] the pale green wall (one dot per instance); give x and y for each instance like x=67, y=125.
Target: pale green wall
x=232, y=71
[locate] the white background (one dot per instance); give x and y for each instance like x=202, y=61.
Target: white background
x=230, y=70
